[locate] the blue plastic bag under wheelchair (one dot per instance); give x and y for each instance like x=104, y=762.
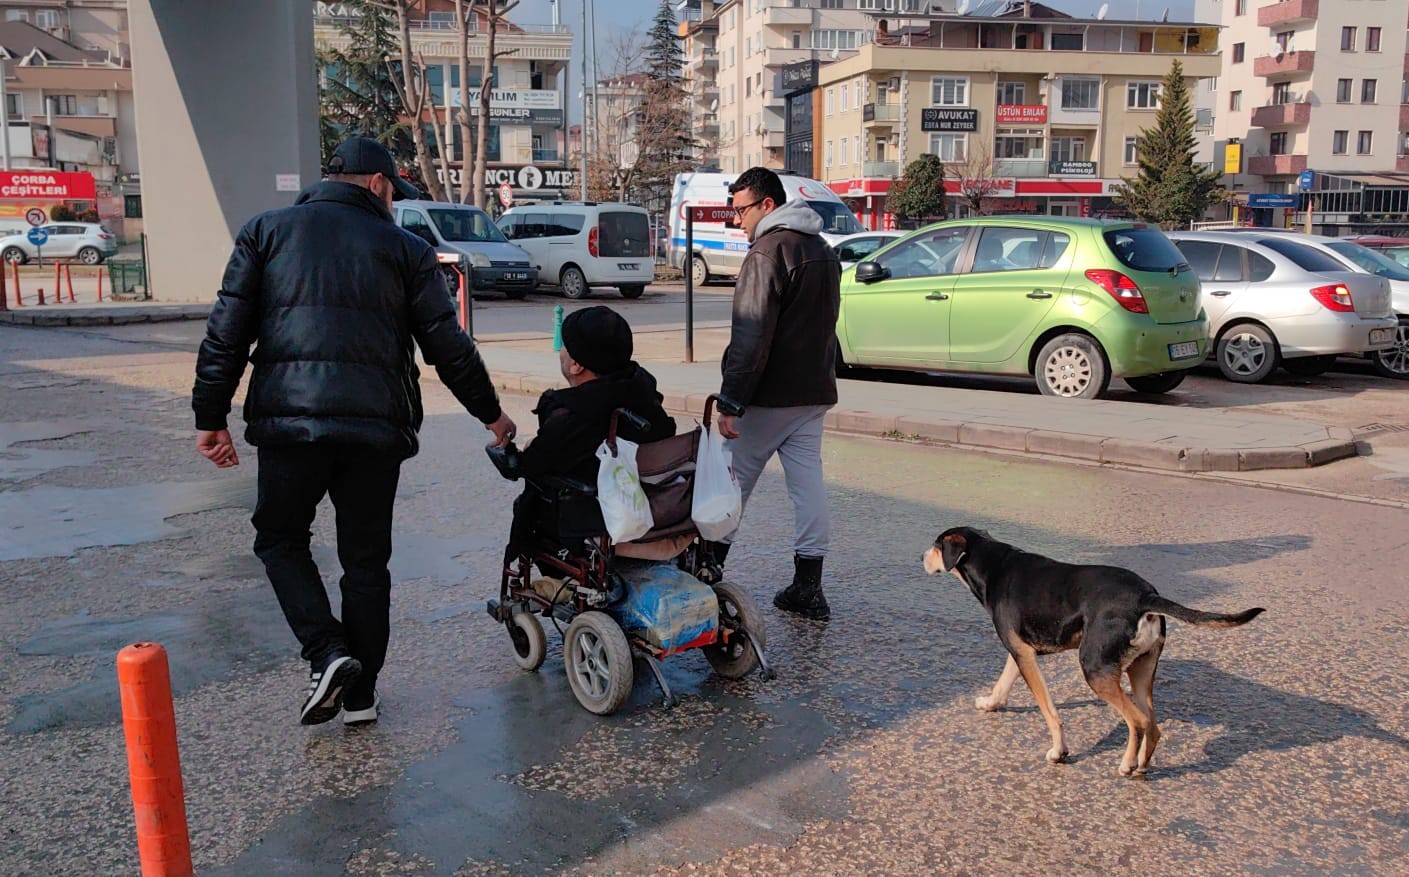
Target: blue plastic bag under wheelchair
x=665, y=606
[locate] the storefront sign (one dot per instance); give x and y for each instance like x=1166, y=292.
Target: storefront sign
x=799, y=77
x=1022, y=114
x=1233, y=158
x=944, y=119
x=522, y=115
x=525, y=177
x=1267, y=199
x=514, y=98
x=47, y=186
x=1072, y=168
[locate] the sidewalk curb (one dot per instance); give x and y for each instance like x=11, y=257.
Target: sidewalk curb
x=114, y=315
x=1338, y=443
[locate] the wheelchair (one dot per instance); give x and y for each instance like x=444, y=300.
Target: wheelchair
x=656, y=596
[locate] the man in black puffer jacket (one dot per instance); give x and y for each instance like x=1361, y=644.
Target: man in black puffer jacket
x=334, y=294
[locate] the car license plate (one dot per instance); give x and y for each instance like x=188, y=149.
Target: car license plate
x=1381, y=336
x=1184, y=350
x=515, y=275
x=628, y=266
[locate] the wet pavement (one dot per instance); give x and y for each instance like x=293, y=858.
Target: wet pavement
x=1284, y=748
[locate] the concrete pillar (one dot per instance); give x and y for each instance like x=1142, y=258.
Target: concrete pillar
x=227, y=127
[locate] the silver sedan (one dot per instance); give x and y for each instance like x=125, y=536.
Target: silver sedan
x=1274, y=301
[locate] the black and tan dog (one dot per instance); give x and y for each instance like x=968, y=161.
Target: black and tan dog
x=1040, y=606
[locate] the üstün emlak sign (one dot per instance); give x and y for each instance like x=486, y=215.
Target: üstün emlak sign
x=46, y=184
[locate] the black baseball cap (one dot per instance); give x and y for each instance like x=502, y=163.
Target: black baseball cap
x=363, y=155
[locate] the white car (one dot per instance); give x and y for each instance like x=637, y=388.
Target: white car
x=858, y=247
x=581, y=244
x=88, y=242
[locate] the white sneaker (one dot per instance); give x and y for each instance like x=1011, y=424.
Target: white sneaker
x=363, y=716
x=325, y=688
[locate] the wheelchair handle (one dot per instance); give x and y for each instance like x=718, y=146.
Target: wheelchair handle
x=632, y=418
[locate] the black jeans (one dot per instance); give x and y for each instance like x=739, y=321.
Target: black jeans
x=362, y=484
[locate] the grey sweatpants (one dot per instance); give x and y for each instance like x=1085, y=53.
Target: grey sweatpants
x=795, y=435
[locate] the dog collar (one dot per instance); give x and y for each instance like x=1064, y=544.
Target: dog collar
x=962, y=555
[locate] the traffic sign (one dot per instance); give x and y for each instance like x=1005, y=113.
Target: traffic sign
x=712, y=214
x=38, y=237
x=1306, y=180
x=35, y=216
x=506, y=194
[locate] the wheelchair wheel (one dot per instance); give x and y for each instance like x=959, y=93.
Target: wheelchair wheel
x=530, y=642
x=739, y=614
x=598, y=659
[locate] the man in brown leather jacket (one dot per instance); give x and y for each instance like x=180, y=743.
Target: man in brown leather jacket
x=780, y=368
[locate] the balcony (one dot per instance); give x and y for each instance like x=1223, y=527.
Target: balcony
x=785, y=16
x=881, y=114
x=1282, y=115
x=1276, y=165
x=1401, y=163
x=1024, y=168
x=709, y=125
x=705, y=58
x=774, y=139
x=873, y=169
x=784, y=57
x=707, y=94
x=1290, y=64
x=540, y=155
x=1287, y=12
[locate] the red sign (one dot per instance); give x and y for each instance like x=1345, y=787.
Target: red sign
x=1022, y=114
x=35, y=216
x=46, y=185
x=506, y=194
x=712, y=214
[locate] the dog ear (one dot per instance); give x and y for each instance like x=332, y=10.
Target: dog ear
x=952, y=547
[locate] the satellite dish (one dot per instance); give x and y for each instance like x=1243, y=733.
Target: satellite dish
x=1165, y=17
x=714, y=106
x=1101, y=13
x=836, y=53
x=962, y=7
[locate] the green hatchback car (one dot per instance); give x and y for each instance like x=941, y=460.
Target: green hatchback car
x=1073, y=302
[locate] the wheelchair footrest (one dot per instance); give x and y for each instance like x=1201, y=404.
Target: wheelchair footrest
x=498, y=611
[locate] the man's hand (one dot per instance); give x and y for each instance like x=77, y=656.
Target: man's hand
x=504, y=431
x=729, y=426
x=217, y=446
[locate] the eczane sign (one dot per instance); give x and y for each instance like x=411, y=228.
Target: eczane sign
x=45, y=184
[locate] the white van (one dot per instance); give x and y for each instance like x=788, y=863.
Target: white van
x=720, y=248
x=581, y=244
x=464, y=230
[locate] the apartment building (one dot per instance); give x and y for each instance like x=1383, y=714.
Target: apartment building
x=527, y=130
x=751, y=68
x=93, y=25
x=1312, y=85
x=1038, y=110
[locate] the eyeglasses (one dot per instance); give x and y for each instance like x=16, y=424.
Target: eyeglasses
x=739, y=211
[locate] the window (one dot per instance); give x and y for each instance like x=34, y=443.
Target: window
x=1372, y=39
x=827, y=155
x=837, y=39
x=1282, y=93
x=831, y=100
x=1284, y=39
x=1230, y=266
x=928, y=254
x=829, y=4
x=1081, y=94
x=1259, y=267
x=1348, y=39
x=132, y=206
x=64, y=104
x=1343, y=91
x=1240, y=7
x=1142, y=95
x=14, y=106
x=1019, y=143
x=797, y=39
x=1340, y=142
x=845, y=151
x=1238, y=51
x=1144, y=249
x=1132, y=150
x=1367, y=90
x=845, y=102
x=949, y=92
x=1302, y=256
x=1364, y=142
x=1068, y=42
x=1012, y=93
x=1235, y=100
x=950, y=147
x=857, y=250
x=1202, y=256
x=1068, y=149
x=1277, y=143
x=46, y=19
x=16, y=15
x=415, y=222
x=1008, y=249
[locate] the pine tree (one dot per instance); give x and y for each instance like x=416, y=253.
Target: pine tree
x=1171, y=189
x=357, y=94
x=663, y=134
x=919, y=194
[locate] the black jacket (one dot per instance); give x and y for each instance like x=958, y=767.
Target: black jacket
x=573, y=422
x=782, y=348
x=333, y=293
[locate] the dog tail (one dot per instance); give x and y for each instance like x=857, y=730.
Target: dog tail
x=1162, y=606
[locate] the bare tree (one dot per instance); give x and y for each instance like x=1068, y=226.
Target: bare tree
x=414, y=91
x=974, y=174
x=494, y=16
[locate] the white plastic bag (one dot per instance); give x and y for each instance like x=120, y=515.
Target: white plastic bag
x=624, y=507
x=718, y=503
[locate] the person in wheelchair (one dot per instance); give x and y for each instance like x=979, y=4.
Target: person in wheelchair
x=572, y=422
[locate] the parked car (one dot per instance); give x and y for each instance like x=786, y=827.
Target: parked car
x=856, y=247
x=1275, y=300
x=88, y=242
x=1395, y=248
x=465, y=231
x=1073, y=302
x=579, y=245
x=1393, y=361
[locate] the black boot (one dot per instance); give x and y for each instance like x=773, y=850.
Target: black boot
x=804, y=596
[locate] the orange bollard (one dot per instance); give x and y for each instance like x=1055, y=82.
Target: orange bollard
x=153, y=762
x=68, y=279
x=100, y=284
x=41, y=296
x=464, y=301
x=58, y=281
x=4, y=291
x=19, y=299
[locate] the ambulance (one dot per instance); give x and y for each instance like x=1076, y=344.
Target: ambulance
x=719, y=249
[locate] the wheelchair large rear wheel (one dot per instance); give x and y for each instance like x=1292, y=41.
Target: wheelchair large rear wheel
x=739, y=615
x=530, y=642
x=598, y=659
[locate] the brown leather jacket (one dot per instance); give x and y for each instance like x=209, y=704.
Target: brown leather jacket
x=782, y=349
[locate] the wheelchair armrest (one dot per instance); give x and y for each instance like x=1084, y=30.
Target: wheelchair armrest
x=506, y=460
x=560, y=483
